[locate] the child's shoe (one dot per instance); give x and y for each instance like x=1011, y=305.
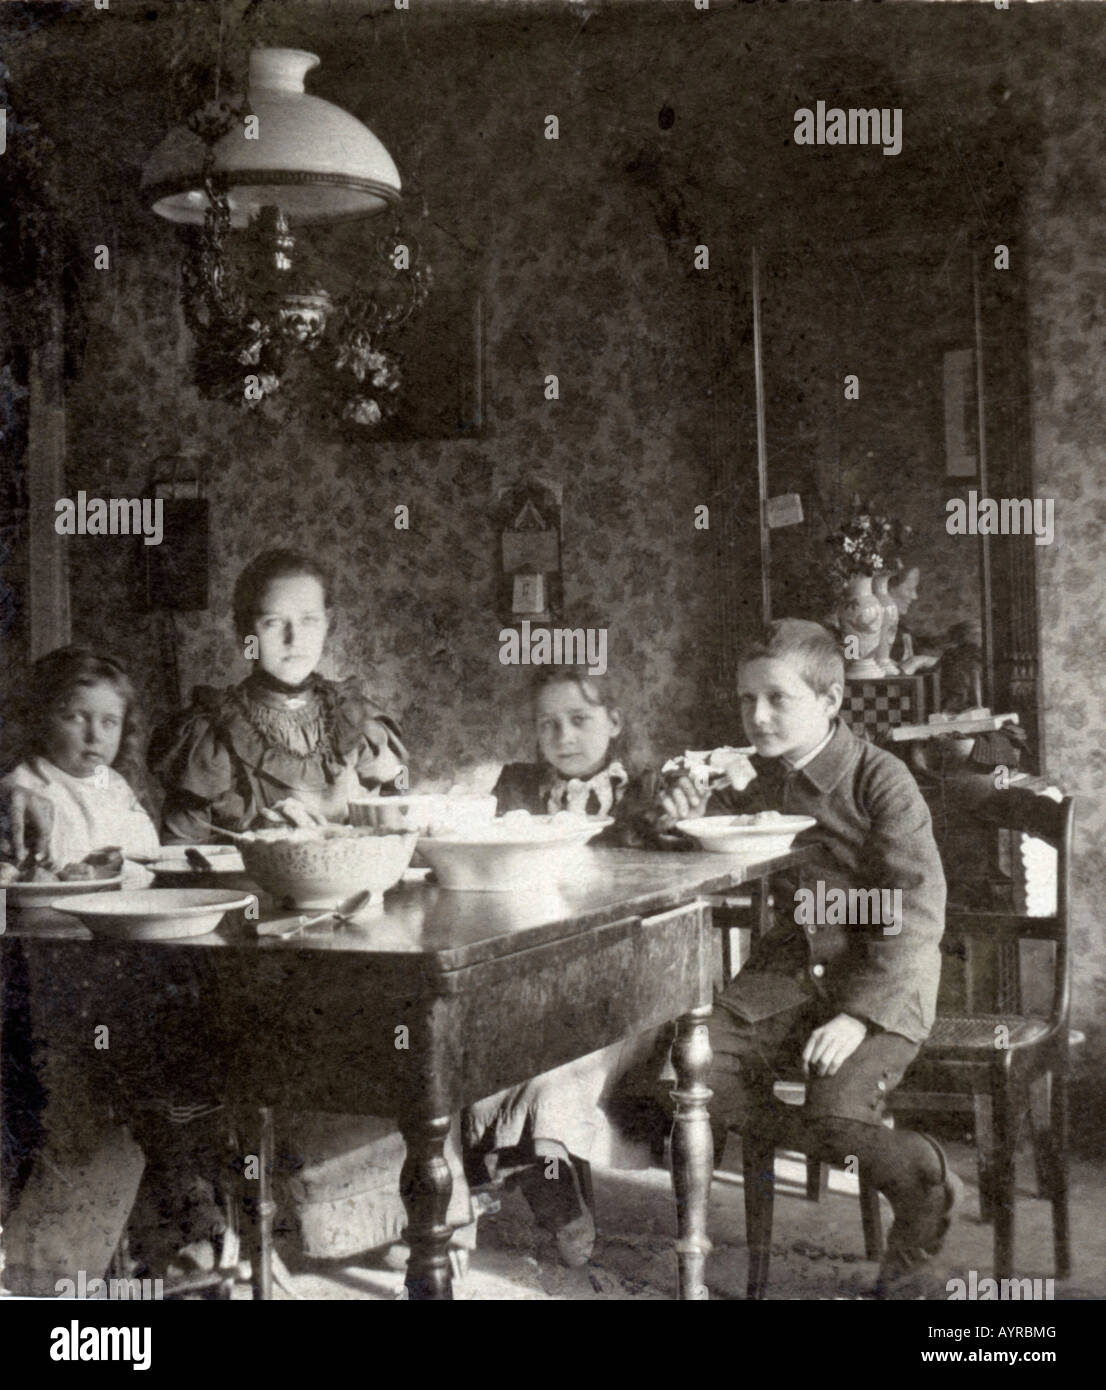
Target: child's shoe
x=560, y=1208
x=906, y=1271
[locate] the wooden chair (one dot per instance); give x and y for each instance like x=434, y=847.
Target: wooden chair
x=991, y=1056
x=760, y=1141
x=996, y=1052
x=751, y=910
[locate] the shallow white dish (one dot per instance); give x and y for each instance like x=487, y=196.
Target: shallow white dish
x=224, y=859
x=222, y=853
x=42, y=894
x=510, y=856
x=154, y=914
x=322, y=866
x=427, y=813
x=174, y=871
x=727, y=834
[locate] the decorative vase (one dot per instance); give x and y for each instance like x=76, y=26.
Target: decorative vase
x=860, y=617
x=889, y=624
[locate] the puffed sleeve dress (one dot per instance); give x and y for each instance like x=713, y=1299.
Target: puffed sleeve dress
x=236, y=751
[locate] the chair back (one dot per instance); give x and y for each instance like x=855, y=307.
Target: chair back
x=1019, y=810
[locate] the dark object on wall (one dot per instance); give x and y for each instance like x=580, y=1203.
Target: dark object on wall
x=176, y=570
x=441, y=354
x=529, y=522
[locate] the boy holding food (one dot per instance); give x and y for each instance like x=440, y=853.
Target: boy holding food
x=850, y=1003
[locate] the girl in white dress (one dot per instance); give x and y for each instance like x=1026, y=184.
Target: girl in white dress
x=83, y=765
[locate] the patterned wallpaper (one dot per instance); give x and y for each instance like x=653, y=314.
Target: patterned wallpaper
x=1067, y=326
x=575, y=284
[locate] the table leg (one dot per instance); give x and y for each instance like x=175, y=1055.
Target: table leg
x=266, y=1207
x=254, y=1129
x=426, y=1185
x=692, y=1150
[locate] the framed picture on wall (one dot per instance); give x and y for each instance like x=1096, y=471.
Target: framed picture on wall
x=961, y=420
x=441, y=354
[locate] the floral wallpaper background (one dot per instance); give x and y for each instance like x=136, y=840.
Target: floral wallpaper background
x=670, y=136
x=1066, y=273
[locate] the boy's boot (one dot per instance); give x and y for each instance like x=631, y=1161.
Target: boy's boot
x=553, y=1188
x=917, y=1235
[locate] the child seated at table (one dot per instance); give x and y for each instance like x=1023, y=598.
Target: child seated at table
x=849, y=1004
x=290, y=745
x=74, y=793
x=547, y=1131
x=76, y=789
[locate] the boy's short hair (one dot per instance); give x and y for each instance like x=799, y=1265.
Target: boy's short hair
x=816, y=651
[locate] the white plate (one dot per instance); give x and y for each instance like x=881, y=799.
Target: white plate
x=42, y=894
x=154, y=914
x=509, y=861
x=428, y=813
x=224, y=859
x=719, y=834
x=208, y=851
x=535, y=831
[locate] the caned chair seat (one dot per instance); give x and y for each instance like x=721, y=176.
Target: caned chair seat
x=982, y=1034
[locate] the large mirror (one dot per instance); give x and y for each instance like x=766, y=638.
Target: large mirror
x=871, y=357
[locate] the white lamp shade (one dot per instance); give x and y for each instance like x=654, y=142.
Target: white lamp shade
x=311, y=159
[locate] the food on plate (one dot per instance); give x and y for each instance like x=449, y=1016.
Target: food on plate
x=309, y=834
x=708, y=771
x=757, y=818
x=101, y=863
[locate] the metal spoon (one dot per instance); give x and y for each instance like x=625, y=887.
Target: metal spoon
x=342, y=913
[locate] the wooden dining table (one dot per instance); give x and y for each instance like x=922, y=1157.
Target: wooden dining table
x=429, y=1003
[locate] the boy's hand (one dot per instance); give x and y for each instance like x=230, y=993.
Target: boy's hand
x=830, y=1046
x=683, y=801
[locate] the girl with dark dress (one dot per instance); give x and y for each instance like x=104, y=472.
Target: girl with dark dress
x=290, y=745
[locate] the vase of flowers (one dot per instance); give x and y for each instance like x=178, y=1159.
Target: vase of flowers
x=865, y=554
x=890, y=624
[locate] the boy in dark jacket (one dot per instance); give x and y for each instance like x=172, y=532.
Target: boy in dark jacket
x=845, y=985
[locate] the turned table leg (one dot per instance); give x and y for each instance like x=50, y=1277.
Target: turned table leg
x=255, y=1126
x=426, y=1185
x=692, y=1150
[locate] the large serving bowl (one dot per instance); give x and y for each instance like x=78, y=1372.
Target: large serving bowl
x=511, y=856
x=746, y=835
x=153, y=914
x=427, y=813
x=321, y=866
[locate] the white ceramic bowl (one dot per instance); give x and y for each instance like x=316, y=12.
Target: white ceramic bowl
x=732, y=835
x=427, y=813
x=322, y=866
x=153, y=914
x=511, y=856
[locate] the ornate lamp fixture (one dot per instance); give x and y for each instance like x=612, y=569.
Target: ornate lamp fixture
x=277, y=157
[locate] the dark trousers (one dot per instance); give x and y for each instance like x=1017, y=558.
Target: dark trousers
x=841, y=1121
